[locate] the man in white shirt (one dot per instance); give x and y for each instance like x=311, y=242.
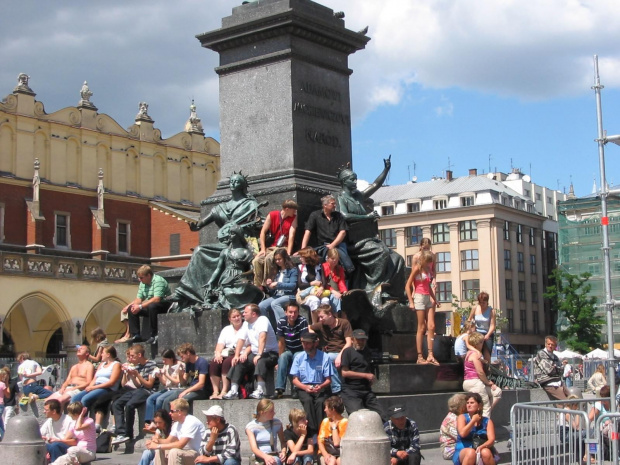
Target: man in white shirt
x=183, y=443
x=260, y=355
x=55, y=428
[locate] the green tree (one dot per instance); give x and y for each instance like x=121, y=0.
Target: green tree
x=569, y=295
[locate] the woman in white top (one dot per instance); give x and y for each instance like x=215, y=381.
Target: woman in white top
x=224, y=354
x=484, y=317
x=170, y=377
x=598, y=379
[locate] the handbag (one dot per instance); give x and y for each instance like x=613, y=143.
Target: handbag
x=478, y=439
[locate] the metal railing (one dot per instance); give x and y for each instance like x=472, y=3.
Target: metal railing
x=54, y=378
x=560, y=432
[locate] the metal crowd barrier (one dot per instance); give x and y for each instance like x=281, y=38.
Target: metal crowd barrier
x=549, y=433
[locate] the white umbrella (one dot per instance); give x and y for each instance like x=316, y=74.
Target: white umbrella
x=568, y=354
x=598, y=354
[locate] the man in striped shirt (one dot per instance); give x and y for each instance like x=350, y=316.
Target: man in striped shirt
x=220, y=443
x=288, y=331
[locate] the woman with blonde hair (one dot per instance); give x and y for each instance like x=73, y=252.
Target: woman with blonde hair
x=263, y=434
x=422, y=299
x=598, y=379
x=475, y=379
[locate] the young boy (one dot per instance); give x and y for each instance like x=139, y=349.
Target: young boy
x=300, y=452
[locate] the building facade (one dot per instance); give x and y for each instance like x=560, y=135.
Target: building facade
x=486, y=236
x=83, y=204
x=581, y=244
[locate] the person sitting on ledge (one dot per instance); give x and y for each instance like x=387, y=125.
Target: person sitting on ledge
x=220, y=443
x=281, y=225
x=28, y=371
x=80, y=376
x=262, y=353
x=149, y=302
x=404, y=437
x=55, y=428
x=330, y=229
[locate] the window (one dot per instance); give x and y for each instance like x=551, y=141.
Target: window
x=538, y=196
x=413, y=235
x=440, y=204
x=506, y=231
x=522, y=291
x=526, y=192
x=532, y=235
x=388, y=236
x=510, y=314
x=469, y=259
x=535, y=325
x=442, y=262
x=523, y=318
x=509, y=289
x=468, y=230
x=520, y=234
x=441, y=233
x=470, y=288
x=62, y=238
x=123, y=237
x=444, y=291
x=387, y=210
x=534, y=292
x=549, y=199
x=520, y=263
x=507, y=260
x=413, y=207
x=175, y=244
x=467, y=201
x=533, y=264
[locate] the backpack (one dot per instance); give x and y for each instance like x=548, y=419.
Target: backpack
x=104, y=442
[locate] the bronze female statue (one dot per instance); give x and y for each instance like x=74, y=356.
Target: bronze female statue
x=375, y=263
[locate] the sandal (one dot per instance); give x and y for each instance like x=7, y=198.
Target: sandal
x=215, y=395
x=431, y=360
x=123, y=339
x=421, y=360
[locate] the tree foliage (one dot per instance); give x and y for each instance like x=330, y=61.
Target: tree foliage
x=569, y=295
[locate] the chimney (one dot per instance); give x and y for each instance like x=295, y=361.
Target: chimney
x=449, y=175
x=473, y=172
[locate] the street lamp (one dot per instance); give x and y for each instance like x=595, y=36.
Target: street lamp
x=602, y=140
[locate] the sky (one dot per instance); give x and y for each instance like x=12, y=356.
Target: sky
x=442, y=84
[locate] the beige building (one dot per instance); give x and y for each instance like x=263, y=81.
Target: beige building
x=83, y=204
x=486, y=236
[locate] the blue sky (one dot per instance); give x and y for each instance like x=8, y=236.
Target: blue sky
x=443, y=84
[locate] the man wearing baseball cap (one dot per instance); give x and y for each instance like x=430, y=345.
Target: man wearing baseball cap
x=312, y=371
x=220, y=443
x=357, y=377
x=404, y=437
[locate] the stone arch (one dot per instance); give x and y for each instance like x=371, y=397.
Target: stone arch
x=32, y=321
x=187, y=183
x=131, y=171
x=105, y=314
x=42, y=152
x=160, y=176
x=73, y=161
x=7, y=149
x=104, y=161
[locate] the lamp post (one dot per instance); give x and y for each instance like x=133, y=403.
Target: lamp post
x=602, y=140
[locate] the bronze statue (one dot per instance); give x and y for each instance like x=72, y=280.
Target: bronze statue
x=375, y=263
x=241, y=210
x=229, y=287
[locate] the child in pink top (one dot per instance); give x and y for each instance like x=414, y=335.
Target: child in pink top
x=82, y=437
x=422, y=300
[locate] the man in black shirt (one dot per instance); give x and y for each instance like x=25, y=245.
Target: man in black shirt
x=330, y=229
x=357, y=378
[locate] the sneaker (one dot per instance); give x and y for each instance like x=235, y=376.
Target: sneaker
x=120, y=440
x=257, y=394
x=112, y=429
x=278, y=394
x=24, y=401
x=97, y=429
x=152, y=340
x=231, y=395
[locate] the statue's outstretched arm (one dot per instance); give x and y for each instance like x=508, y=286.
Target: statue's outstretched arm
x=372, y=188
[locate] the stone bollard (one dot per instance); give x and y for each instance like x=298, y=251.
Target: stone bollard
x=365, y=440
x=22, y=442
